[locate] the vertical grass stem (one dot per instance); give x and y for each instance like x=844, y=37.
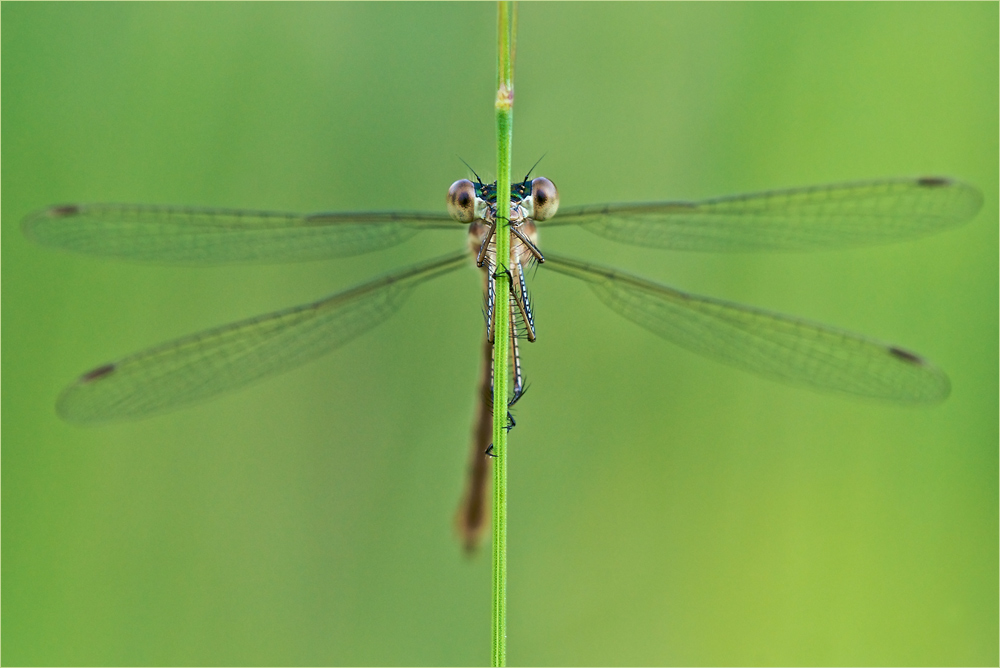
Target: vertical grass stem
x=504, y=116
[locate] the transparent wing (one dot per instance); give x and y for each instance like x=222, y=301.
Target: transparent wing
x=773, y=345
x=168, y=234
x=831, y=216
x=202, y=365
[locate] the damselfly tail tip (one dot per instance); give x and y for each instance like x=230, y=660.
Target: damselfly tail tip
x=469, y=527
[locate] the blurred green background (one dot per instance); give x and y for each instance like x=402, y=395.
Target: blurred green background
x=665, y=509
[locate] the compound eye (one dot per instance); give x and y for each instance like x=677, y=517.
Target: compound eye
x=545, y=198
x=462, y=201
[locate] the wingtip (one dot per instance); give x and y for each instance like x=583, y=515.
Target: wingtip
x=30, y=222
x=71, y=404
x=972, y=194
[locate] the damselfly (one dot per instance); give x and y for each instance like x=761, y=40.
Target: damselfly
x=202, y=365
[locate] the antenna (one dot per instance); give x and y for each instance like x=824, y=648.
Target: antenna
x=532, y=168
x=474, y=171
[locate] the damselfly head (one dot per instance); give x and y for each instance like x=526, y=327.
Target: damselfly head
x=544, y=199
x=462, y=201
x=468, y=201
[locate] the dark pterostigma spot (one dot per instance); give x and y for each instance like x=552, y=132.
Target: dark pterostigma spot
x=64, y=210
x=932, y=182
x=905, y=355
x=98, y=373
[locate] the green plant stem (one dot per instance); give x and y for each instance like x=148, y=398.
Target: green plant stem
x=504, y=112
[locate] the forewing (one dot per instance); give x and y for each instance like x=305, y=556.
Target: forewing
x=166, y=234
x=196, y=367
x=766, y=343
x=820, y=217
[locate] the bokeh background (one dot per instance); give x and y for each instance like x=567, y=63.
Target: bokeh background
x=664, y=508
